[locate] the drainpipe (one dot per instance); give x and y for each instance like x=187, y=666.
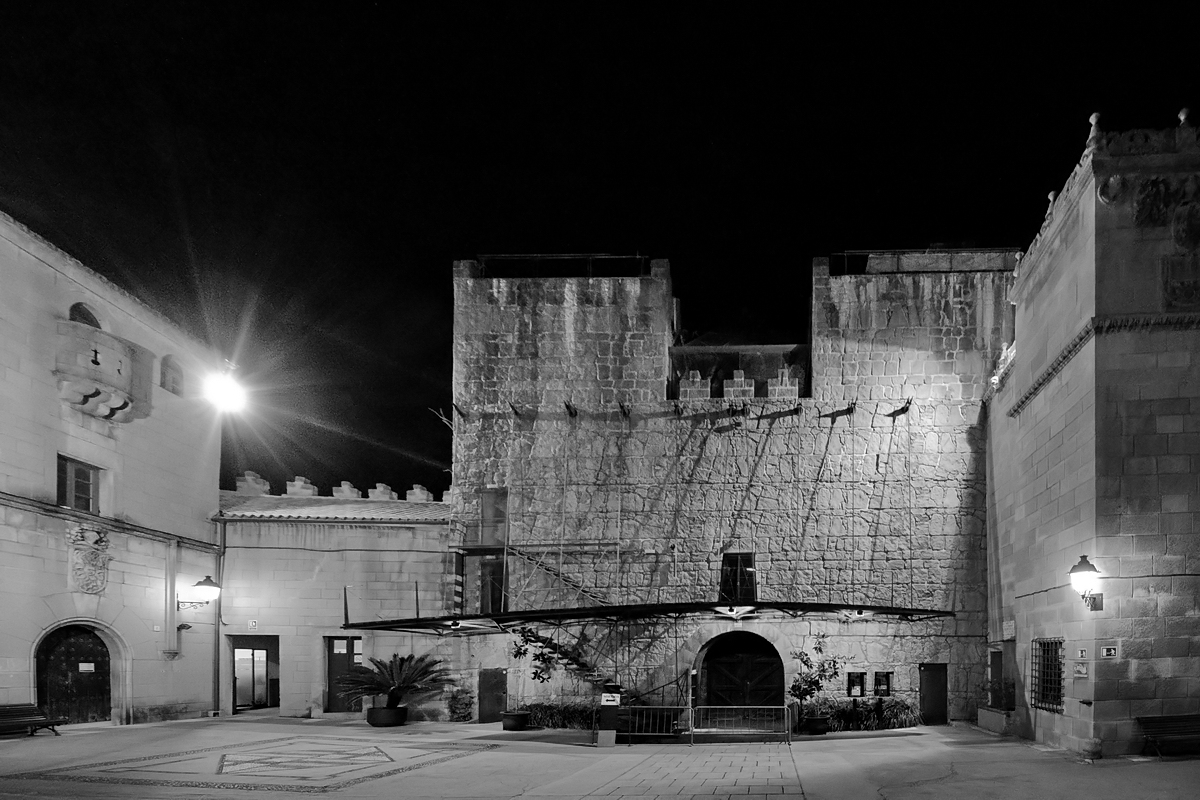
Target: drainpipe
x=170, y=632
x=216, y=655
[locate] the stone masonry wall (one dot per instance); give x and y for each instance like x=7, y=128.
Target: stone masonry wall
x=634, y=499
x=289, y=578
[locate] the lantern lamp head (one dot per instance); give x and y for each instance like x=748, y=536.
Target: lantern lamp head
x=1085, y=579
x=203, y=593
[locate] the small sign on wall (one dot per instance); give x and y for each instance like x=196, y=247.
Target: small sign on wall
x=1082, y=653
x=252, y=625
x=610, y=699
x=1079, y=669
x=1108, y=652
x=87, y=666
x=1010, y=629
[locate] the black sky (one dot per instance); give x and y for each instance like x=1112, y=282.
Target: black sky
x=292, y=181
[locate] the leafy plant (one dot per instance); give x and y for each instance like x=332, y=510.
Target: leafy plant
x=461, y=705
x=561, y=715
x=864, y=715
x=543, y=659
x=814, y=672
x=400, y=678
x=1000, y=694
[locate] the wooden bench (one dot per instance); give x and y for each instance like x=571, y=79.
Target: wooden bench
x=1159, y=731
x=29, y=717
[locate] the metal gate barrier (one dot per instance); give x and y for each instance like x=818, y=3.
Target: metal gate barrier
x=679, y=723
x=746, y=721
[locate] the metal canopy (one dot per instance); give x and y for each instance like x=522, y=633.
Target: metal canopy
x=476, y=624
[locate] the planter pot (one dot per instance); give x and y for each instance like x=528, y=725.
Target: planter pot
x=387, y=717
x=815, y=726
x=514, y=720
x=994, y=719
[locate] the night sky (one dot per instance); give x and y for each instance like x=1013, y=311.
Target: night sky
x=292, y=181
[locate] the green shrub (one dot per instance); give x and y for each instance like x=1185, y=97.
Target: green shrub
x=867, y=714
x=560, y=715
x=461, y=705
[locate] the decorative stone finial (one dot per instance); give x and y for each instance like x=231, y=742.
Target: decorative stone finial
x=1050, y=208
x=1094, y=134
x=1183, y=121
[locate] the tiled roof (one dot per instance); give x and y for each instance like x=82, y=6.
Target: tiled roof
x=241, y=506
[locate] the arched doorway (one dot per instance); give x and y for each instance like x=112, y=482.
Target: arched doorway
x=741, y=669
x=73, y=675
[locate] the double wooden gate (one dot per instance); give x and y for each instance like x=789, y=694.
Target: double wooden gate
x=73, y=675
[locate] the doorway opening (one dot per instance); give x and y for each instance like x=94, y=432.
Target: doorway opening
x=740, y=668
x=934, y=700
x=73, y=675
x=255, y=672
x=341, y=653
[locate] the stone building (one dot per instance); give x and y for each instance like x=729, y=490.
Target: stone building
x=108, y=477
x=295, y=565
x=740, y=499
x=110, y=513
x=1094, y=451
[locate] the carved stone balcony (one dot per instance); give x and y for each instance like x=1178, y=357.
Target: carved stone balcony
x=95, y=371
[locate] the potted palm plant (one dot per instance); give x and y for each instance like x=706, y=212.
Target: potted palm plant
x=399, y=679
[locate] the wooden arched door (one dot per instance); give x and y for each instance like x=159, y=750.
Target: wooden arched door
x=743, y=669
x=73, y=675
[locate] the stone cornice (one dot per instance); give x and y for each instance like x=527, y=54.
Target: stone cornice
x=67, y=261
x=1100, y=326
x=107, y=523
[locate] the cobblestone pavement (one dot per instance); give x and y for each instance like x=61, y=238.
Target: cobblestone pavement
x=272, y=757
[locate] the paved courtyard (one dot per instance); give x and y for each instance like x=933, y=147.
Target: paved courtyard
x=247, y=757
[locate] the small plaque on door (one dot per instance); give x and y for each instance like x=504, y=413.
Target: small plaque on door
x=87, y=666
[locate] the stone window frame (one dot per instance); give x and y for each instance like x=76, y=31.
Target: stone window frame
x=493, y=516
x=738, y=584
x=1046, y=670
x=74, y=474
x=82, y=313
x=171, y=375
x=493, y=585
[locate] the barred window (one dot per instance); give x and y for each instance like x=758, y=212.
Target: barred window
x=1046, y=674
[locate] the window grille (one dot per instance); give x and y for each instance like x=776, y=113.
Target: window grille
x=1046, y=674
x=78, y=485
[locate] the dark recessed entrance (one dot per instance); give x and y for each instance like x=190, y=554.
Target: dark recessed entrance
x=73, y=675
x=741, y=669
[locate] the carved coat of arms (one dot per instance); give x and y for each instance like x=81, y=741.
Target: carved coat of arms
x=89, y=559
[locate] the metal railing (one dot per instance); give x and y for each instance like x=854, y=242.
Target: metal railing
x=682, y=723
x=742, y=720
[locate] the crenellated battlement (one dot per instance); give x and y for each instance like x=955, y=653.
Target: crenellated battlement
x=253, y=484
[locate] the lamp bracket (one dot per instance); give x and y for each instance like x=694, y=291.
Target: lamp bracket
x=190, y=605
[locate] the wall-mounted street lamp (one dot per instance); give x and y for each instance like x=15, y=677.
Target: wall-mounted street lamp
x=1085, y=579
x=203, y=592
x=224, y=392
